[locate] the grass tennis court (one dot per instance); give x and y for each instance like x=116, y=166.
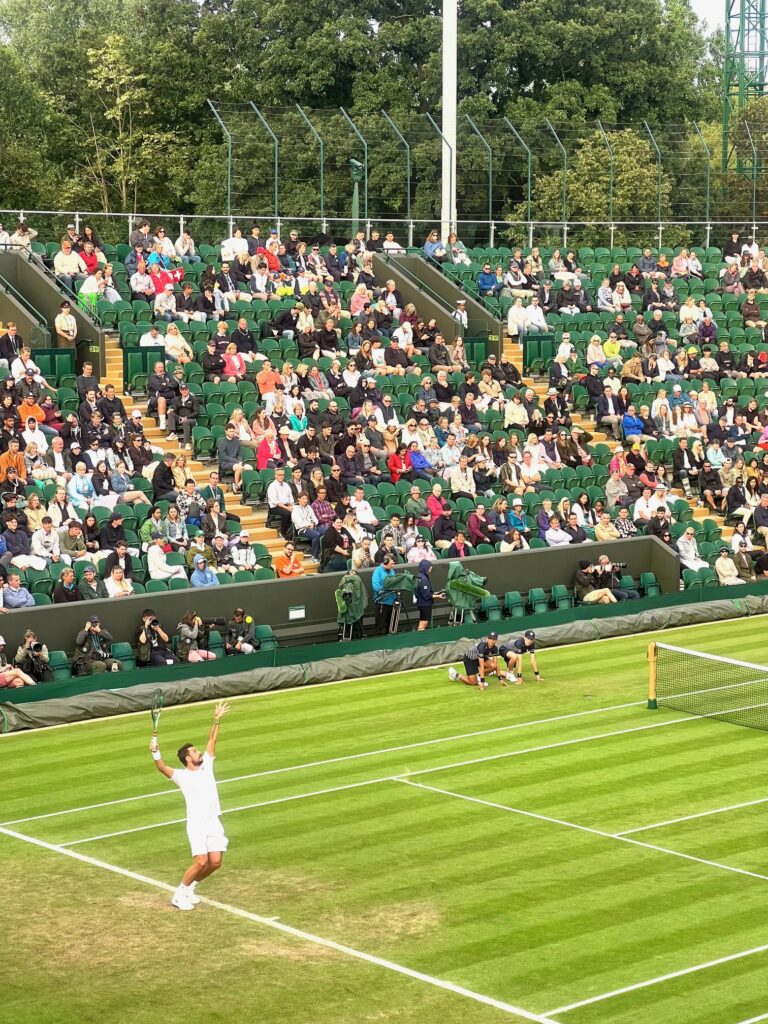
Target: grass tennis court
x=523, y=847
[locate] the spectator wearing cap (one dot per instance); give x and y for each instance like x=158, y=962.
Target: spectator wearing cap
x=68, y=265
x=725, y=567
x=44, y=543
x=165, y=305
x=585, y=586
x=243, y=555
x=93, y=647
x=202, y=575
x=65, y=327
x=240, y=637
x=91, y=587
x=157, y=561
x=743, y=561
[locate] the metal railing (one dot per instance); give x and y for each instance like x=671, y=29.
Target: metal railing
x=115, y=228
x=39, y=335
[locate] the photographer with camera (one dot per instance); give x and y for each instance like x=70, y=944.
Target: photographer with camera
x=193, y=638
x=240, y=638
x=93, y=650
x=609, y=573
x=152, y=643
x=586, y=589
x=32, y=658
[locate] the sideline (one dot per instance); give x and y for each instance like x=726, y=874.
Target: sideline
x=400, y=776
x=359, y=679
x=297, y=933
x=333, y=760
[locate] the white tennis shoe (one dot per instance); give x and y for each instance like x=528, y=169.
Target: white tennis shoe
x=182, y=902
x=453, y=675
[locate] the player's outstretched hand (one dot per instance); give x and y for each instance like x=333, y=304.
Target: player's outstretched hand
x=221, y=709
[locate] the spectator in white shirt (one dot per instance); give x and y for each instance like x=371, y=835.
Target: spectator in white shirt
x=45, y=542
x=516, y=320
x=362, y=507
x=555, y=536
x=116, y=583
x=280, y=501
x=535, y=320
x=231, y=247
x=157, y=562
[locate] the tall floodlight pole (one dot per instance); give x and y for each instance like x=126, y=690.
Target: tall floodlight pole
x=450, y=52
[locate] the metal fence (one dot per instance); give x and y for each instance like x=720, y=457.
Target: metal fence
x=592, y=183
x=115, y=228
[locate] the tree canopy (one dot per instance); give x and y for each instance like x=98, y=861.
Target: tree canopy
x=105, y=103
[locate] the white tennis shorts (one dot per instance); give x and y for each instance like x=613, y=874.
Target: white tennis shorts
x=207, y=837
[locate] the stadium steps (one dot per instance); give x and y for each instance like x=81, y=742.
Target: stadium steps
x=253, y=520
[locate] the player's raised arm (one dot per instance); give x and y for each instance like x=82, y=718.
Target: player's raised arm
x=160, y=764
x=221, y=709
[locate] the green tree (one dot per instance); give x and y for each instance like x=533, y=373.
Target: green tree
x=635, y=191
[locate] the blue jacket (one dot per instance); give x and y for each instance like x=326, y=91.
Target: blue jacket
x=20, y=598
x=424, y=593
x=377, y=582
x=203, y=577
x=631, y=425
x=487, y=282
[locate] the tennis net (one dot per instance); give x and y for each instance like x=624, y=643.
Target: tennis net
x=708, y=685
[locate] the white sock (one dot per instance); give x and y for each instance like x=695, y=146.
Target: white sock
x=183, y=889
x=192, y=886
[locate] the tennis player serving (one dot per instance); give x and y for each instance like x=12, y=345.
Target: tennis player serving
x=204, y=829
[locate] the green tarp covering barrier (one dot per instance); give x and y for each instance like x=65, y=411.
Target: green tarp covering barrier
x=57, y=703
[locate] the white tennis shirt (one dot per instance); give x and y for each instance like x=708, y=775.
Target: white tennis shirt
x=199, y=789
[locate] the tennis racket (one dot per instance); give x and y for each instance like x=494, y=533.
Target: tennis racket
x=155, y=708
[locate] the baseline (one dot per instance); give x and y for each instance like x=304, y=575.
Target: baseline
x=297, y=933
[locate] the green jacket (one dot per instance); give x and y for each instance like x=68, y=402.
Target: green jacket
x=148, y=527
x=97, y=592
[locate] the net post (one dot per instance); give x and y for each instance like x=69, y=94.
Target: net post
x=652, y=705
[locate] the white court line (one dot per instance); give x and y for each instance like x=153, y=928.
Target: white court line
x=633, y=842
x=553, y=746
x=337, y=760
x=755, y=1020
x=387, y=778
x=660, y=979
x=692, y=817
x=7, y=737
x=231, y=810
x=584, y=828
x=297, y=933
